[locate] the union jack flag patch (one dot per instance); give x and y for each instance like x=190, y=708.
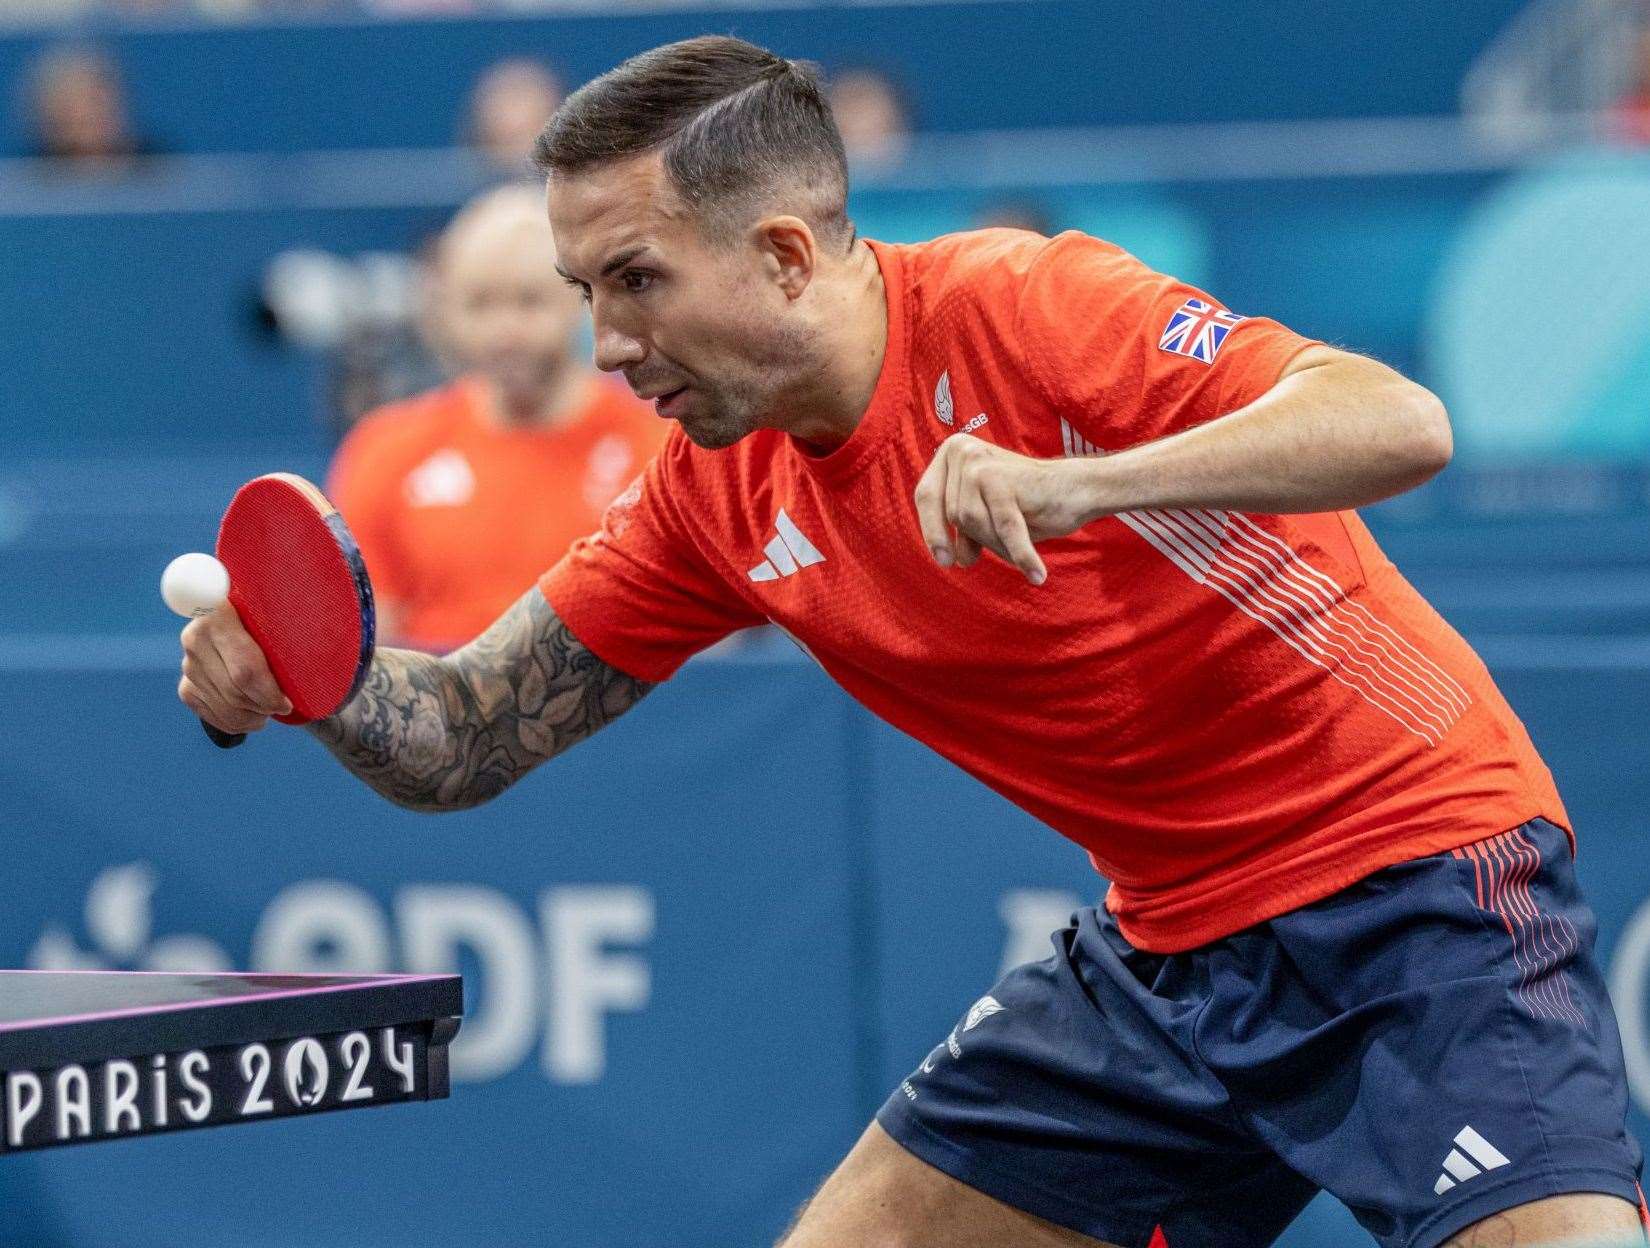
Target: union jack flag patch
x=1197, y=329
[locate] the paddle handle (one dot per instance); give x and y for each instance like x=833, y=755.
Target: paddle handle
x=223, y=740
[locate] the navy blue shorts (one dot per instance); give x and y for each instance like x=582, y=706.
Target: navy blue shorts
x=1431, y=1046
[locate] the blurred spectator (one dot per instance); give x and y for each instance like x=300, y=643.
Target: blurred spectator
x=872, y=114
x=509, y=105
x=77, y=104
x=369, y=314
x=387, y=351
x=1629, y=120
x=461, y=497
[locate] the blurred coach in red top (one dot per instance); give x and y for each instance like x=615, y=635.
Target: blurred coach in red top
x=461, y=497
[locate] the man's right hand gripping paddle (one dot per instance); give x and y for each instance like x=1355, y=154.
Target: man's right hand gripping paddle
x=294, y=639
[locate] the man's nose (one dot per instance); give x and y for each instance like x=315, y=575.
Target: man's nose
x=616, y=349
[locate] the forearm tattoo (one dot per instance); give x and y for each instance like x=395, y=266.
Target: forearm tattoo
x=449, y=733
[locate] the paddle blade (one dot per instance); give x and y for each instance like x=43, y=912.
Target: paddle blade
x=298, y=582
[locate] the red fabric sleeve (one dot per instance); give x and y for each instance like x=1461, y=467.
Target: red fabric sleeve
x=1090, y=321
x=638, y=592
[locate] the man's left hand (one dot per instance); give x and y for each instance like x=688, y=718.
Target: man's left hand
x=976, y=496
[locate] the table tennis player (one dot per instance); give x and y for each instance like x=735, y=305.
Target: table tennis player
x=518, y=457
x=1090, y=535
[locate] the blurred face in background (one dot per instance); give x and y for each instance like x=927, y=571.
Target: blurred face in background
x=508, y=108
x=80, y=108
x=871, y=116
x=696, y=322
x=501, y=309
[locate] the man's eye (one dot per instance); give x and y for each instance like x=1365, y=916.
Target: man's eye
x=636, y=282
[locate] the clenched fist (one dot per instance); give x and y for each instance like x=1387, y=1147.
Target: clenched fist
x=226, y=680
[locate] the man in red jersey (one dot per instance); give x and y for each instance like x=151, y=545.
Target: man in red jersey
x=1343, y=949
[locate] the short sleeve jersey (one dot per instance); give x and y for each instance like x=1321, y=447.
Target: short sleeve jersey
x=1234, y=714
x=427, y=486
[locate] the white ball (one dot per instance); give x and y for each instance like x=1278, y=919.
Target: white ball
x=194, y=584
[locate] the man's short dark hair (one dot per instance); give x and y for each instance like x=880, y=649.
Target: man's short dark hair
x=740, y=129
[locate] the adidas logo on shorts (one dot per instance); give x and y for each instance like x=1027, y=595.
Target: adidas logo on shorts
x=1457, y=1167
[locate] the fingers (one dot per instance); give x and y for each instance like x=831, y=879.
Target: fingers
x=226, y=679
x=960, y=512
x=967, y=502
x=245, y=666
x=212, y=710
x=931, y=517
x=1014, y=536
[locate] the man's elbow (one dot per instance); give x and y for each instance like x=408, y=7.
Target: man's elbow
x=447, y=797
x=1429, y=443
x=420, y=804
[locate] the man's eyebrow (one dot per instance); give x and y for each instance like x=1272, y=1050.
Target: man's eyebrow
x=612, y=266
x=623, y=258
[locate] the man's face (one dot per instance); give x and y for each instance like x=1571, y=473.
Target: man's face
x=505, y=311
x=83, y=112
x=697, y=325
x=509, y=108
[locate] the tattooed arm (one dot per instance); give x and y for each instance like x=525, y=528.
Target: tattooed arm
x=430, y=733
x=448, y=733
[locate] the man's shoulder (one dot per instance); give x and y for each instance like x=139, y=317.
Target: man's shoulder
x=980, y=262
x=997, y=262
x=976, y=286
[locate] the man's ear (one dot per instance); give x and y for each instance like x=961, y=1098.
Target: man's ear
x=789, y=251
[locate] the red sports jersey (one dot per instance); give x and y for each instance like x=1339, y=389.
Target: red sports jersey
x=1235, y=714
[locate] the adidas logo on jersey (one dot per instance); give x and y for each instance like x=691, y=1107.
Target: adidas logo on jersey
x=1457, y=1167
x=788, y=553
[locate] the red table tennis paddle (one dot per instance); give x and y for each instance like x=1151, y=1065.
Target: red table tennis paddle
x=297, y=580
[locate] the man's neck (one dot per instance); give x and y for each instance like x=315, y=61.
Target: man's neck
x=852, y=344
x=555, y=404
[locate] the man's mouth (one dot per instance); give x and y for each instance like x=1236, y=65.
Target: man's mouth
x=669, y=404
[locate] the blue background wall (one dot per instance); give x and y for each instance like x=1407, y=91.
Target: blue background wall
x=969, y=66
